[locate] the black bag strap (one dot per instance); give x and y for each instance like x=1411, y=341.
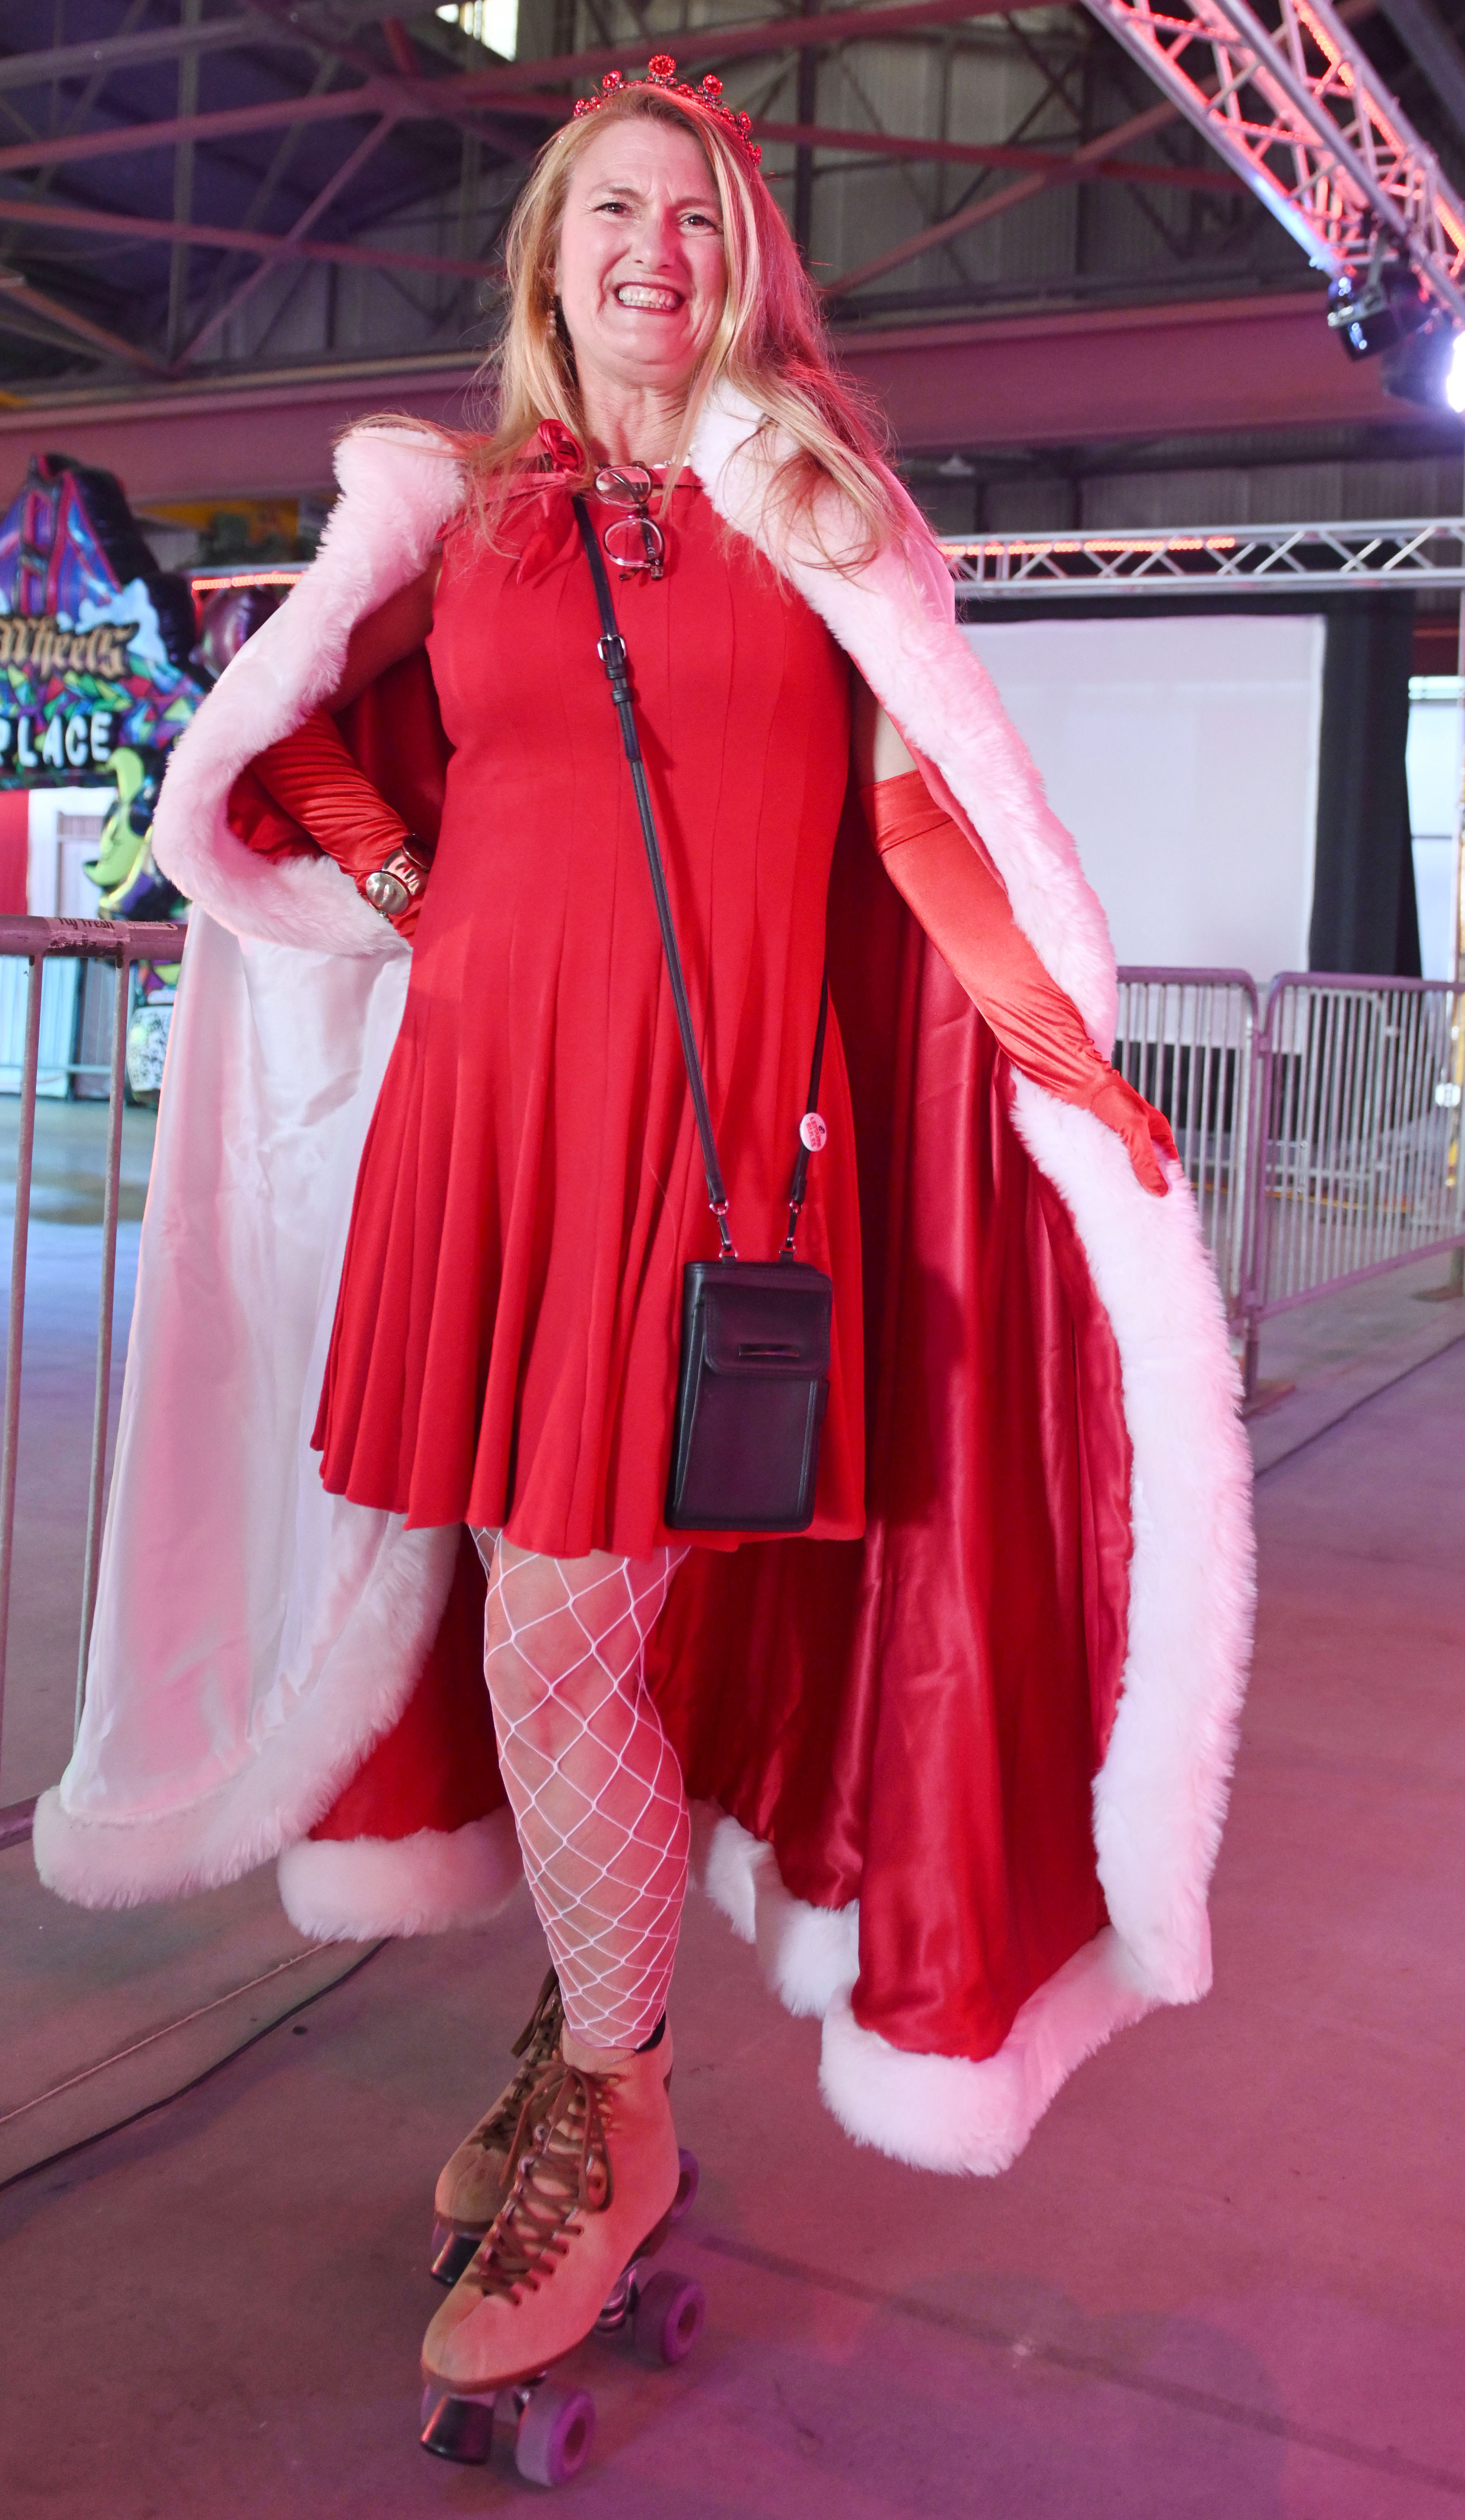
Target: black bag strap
x=799, y=1183
x=611, y=648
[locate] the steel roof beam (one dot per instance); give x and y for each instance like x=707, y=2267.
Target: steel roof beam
x=735, y=42
x=80, y=327
x=157, y=44
x=1015, y=159
x=134, y=229
x=1428, y=40
x=1078, y=163
x=294, y=239
x=509, y=88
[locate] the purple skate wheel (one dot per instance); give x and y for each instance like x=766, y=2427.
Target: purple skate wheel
x=669, y=2317
x=687, y=2186
x=555, y=2432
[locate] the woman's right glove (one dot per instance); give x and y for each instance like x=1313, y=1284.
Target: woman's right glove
x=313, y=779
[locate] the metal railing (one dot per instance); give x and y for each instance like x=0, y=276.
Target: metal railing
x=40, y=941
x=1188, y=1042
x=1323, y=1140
x=1363, y=1113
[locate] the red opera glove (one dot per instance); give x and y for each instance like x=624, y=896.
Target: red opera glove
x=313, y=778
x=968, y=916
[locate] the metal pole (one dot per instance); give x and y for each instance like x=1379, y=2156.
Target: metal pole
x=24, y=1157
x=1456, y=1282
x=1254, y=1191
x=102, y=1403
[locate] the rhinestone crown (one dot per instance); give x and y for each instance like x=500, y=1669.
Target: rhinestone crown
x=661, y=72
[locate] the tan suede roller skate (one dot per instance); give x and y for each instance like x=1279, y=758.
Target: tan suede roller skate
x=474, y=2182
x=596, y=2175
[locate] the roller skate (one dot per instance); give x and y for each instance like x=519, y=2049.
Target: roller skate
x=596, y=2179
x=474, y=2182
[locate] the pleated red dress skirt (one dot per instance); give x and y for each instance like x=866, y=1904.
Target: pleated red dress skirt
x=505, y=1341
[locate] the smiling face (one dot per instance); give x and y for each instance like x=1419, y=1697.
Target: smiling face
x=641, y=273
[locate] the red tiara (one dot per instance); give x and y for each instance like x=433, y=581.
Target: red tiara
x=661, y=72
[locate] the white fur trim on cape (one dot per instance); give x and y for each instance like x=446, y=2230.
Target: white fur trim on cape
x=944, y=2113
x=360, y=1888
x=102, y=1860
x=948, y=2113
x=1160, y=1797
x=377, y=539
x=253, y=1637
x=896, y=617
x=809, y=1956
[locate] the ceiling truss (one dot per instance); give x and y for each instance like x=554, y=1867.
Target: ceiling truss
x=1421, y=553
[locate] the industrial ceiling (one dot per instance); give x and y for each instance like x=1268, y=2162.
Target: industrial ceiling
x=1039, y=265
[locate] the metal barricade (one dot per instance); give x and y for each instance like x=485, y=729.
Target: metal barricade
x=1323, y=1143
x=40, y=941
x=1186, y=1040
x=1361, y=1107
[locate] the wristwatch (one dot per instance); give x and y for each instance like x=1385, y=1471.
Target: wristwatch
x=393, y=886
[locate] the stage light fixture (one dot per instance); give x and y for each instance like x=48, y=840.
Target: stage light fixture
x=1388, y=315
x=1382, y=311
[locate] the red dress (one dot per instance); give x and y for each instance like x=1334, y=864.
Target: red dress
x=504, y=1349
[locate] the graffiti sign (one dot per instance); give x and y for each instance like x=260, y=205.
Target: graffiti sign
x=95, y=640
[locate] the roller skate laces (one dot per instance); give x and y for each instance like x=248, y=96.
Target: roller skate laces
x=561, y=2170
x=537, y=2044
x=473, y=2182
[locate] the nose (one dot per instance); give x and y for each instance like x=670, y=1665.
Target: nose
x=660, y=242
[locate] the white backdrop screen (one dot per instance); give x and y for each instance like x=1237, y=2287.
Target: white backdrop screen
x=1183, y=755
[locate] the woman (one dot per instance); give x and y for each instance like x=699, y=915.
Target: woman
x=1030, y=1506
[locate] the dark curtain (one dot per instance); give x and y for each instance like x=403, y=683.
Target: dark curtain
x=1364, y=913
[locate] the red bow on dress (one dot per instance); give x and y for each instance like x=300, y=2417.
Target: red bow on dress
x=560, y=462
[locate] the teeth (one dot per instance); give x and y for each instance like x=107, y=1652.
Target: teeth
x=634, y=293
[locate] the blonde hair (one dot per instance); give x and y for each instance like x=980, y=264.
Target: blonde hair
x=769, y=344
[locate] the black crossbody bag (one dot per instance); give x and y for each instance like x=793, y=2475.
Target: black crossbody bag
x=754, y=1373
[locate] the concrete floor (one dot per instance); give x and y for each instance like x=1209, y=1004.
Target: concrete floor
x=1227, y=2280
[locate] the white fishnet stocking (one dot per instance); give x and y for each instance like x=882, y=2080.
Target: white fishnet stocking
x=594, y=1781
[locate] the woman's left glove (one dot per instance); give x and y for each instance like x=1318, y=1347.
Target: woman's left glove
x=1146, y=1133
x=965, y=912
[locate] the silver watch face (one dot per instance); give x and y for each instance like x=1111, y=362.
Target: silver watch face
x=387, y=893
